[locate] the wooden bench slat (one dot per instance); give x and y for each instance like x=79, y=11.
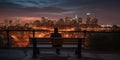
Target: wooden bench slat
x=48, y=40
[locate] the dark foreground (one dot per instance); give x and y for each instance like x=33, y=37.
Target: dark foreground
x=49, y=54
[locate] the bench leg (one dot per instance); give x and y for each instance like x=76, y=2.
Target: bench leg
x=78, y=53
x=25, y=52
x=79, y=48
x=34, y=53
x=38, y=51
x=58, y=51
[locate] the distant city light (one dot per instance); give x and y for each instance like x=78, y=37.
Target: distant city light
x=88, y=13
x=107, y=25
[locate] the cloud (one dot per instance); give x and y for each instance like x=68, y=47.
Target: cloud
x=104, y=9
x=34, y=3
x=13, y=9
x=90, y=4
x=30, y=6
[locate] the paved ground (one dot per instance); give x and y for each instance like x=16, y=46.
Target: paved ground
x=45, y=54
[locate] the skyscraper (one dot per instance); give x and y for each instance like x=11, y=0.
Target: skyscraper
x=6, y=22
x=94, y=20
x=10, y=23
x=67, y=20
x=44, y=20
x=88, y=21
x=79, y=20
x=17, y=21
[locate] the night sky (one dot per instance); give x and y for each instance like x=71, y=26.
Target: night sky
x=107, y=11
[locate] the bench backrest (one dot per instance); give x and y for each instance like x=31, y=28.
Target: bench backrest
x=56, y=40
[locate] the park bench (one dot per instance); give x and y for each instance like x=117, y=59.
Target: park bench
x=53, y=41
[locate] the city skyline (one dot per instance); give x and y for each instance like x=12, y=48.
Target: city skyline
x=107, y=11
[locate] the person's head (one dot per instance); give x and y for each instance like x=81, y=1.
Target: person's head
x=55, y=30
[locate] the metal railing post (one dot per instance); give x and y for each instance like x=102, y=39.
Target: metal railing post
x=8, y=40
x=79, y=48
x=34, y=46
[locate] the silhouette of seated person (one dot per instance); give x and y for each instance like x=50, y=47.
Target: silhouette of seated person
x=56, y=40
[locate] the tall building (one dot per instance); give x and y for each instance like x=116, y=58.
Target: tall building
x=67, y=20
x=17, y=21
x=94, y=20
x=6, y=22
x=50, y=22
x=44, y=20
x=61, y=21
x=88, y=21
x=10, y=22
x=79, y=20
x=76, y=18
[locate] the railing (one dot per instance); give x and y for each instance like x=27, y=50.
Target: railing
x=74, y=34
x=8, y=33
